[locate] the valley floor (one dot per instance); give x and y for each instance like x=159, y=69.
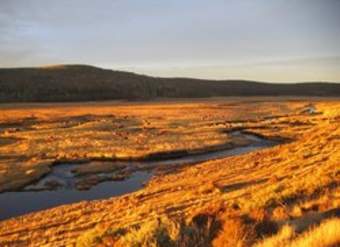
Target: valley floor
x=287, y=195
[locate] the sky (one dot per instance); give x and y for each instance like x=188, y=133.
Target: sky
x=276, y=40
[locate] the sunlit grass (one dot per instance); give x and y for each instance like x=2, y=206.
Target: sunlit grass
x=276, y=196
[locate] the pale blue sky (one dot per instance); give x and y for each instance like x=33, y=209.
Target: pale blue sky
x=276, y=40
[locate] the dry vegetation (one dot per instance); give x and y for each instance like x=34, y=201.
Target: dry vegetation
x=287, y=195
x=35, y=138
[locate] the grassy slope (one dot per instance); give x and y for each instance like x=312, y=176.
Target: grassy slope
x=235, y=200
x=86, y=83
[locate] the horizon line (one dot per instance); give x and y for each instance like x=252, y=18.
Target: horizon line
x=61, y=65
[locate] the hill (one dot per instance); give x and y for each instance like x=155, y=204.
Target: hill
x=87, y=83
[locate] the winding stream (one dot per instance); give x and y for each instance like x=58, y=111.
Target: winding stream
x=13, y=204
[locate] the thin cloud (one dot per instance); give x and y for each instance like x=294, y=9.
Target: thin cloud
x=159, y=33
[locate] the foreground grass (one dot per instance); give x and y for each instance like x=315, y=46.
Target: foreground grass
x=327, y=235
x=278, y=194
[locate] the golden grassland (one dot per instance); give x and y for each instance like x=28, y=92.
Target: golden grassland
x=287, y=195
x=34, y=138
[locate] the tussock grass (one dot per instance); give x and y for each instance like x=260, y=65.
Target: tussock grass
x=259, y=192
x=325, y=235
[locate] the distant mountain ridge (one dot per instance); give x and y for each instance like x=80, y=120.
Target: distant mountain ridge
x=87, y=83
